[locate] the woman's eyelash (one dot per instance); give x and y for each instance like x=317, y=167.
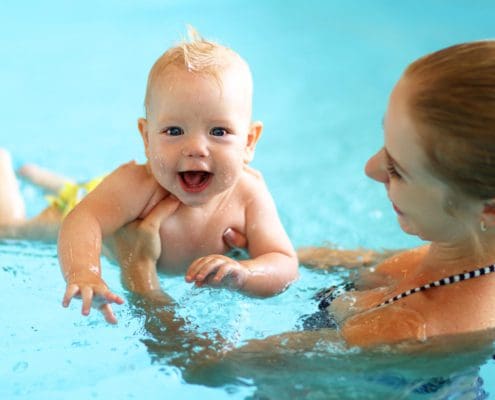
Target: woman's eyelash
x=391, y=170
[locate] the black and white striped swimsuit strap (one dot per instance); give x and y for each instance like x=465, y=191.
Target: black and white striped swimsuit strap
x=442, y=282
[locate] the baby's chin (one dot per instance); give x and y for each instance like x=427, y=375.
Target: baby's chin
x=200, y=198
x=192, y=200
x=194, y=204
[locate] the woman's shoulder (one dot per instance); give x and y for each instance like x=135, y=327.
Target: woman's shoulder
x=403, y=262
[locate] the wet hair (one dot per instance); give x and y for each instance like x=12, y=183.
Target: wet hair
x=452, y=103
x=196, y=55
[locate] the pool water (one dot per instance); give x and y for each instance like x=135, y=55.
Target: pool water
x=73, y=78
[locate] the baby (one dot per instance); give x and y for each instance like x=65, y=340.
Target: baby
x=198, y=138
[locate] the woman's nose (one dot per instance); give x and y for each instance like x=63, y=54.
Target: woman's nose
x=376, y=167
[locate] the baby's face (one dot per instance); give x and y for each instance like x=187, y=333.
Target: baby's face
x=196, y=133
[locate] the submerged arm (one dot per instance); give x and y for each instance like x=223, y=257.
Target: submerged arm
x=327, y=257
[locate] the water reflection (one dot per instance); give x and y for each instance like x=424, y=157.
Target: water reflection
x=318, y=365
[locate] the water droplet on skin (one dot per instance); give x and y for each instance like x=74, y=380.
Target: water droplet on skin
x=94, y=269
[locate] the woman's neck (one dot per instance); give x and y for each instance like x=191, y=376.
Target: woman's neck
x=455, y=258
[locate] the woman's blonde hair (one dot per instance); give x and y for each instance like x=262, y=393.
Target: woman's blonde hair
x=452, y=102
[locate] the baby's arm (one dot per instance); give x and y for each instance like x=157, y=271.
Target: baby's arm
x=273, y=265
x=119, y=199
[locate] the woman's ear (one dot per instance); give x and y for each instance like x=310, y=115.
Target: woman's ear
x=143, y=129
x=488, y=213
x=254, y=135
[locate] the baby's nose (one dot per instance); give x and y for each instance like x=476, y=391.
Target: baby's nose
x=376, y=168
x=195, y=146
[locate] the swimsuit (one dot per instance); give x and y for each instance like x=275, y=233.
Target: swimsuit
x=324, y=319
x=476, y=273
x=71, y=194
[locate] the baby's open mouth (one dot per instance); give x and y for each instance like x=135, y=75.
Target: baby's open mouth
x=195, y=181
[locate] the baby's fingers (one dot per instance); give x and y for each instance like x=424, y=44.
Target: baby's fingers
x=112, y=297
x=87, y=297
x=230, y=275
x=223, y=270
x=206, y=267
x=195, y=268
x=106, y=310
x=102, y=300
x=70, y=292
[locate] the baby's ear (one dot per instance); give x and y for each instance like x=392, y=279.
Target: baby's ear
x=143, y=129
x=254, y=135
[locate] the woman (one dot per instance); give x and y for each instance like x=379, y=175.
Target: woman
x=438, y=168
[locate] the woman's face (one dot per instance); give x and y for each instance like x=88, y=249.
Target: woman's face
x=420, y=199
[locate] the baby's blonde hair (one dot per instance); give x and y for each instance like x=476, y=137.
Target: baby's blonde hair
x=196, y=55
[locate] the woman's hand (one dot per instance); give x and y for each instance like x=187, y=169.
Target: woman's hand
x=234, y=239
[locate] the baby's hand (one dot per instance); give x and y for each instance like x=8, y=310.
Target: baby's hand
x=94, y=292
x=217, y=270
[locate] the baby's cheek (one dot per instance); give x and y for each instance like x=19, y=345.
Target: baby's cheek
x=227, y=177
x=164, y=175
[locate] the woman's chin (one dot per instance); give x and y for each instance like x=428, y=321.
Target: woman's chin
x=406, y=227
x=413, y=232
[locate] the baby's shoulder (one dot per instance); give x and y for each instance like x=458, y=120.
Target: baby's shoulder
x=132, y=168
x=251, y=173
x=252, y=184
x=251, y=179
x=253, y=192
x=133, y=172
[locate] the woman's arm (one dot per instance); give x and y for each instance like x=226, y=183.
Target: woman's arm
x=328, y=257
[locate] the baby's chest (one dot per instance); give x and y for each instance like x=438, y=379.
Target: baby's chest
x=187, y=239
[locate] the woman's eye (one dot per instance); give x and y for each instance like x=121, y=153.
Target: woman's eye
x=174, y=131
x=218, y=132
x=392, y=171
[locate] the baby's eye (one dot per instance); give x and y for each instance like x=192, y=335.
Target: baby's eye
x=174, y=131
x=218, y=132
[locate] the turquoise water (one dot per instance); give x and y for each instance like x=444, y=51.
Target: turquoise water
x=73, y=78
